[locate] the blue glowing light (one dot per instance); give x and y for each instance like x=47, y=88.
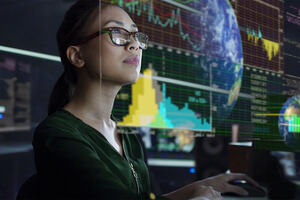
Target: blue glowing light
x=192, y=170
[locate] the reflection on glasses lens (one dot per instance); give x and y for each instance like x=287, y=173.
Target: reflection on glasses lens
x=122, y=37
x=142, y=39
x=119, y=41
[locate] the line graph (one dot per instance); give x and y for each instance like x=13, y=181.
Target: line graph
x=272, y=48
x=261, y=30
x=161, y=15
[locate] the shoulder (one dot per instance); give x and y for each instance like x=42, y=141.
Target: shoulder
x=58, y=124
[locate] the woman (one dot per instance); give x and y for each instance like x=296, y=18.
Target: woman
x=78, y=152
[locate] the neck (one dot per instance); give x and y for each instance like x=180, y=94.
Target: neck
x=93, y=101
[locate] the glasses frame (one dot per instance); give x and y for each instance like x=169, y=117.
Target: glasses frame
x=109, y=30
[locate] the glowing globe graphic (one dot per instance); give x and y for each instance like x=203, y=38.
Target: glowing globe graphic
x=222, y=47
x=289, y=122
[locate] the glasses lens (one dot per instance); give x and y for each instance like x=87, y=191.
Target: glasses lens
x=119, y=36
x=142, y=39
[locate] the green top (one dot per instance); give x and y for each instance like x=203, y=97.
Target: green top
x=75, y=161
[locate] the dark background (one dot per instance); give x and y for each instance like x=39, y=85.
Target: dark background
x=31, y=25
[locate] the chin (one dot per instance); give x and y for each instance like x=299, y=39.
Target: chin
x=122, y=78
x=131, y=81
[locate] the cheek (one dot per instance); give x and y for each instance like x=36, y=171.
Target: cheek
x=110, y=58
x=112, y=66
x=92, y=59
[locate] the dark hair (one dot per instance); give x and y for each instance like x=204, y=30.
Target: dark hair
x=74, y=19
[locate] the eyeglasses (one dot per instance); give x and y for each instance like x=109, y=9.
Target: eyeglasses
x=119, y=36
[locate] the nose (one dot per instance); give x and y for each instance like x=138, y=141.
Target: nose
x=133, y=45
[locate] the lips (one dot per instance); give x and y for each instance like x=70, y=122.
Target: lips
x=134, y=60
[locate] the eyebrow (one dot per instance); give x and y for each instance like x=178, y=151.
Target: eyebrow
x=119, y=23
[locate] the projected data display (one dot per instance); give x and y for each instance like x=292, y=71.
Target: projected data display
x=168, y=94
x=267, y=88
x=165, y=22
x=261, y=26
x=291, y=38
x=256, y=116
x=210, y=65
x=291, y=85
x=190, y=67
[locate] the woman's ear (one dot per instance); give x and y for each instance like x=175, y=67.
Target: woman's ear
x=74, y=56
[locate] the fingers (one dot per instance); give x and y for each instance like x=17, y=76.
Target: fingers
x=238, y=190
x=236, y=176
x=213, y=194
x=207, y=192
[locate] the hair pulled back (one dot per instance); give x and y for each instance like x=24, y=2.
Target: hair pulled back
x=74, y=20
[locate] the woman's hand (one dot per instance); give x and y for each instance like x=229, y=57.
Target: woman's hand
x=220, y=183
x=211, y=188
x=194, y=192
x=205, y=193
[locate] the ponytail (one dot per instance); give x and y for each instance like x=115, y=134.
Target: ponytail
x=74, y=19
x=61, y=94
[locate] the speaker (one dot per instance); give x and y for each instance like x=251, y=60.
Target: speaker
x=211, y=156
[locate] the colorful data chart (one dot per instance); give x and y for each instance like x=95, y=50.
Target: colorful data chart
x=148, y=110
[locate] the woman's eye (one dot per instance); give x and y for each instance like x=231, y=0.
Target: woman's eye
x=116, y=31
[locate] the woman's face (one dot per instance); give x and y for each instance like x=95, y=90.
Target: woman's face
x=118, y=64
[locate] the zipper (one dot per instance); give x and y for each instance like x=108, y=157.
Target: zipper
x=132, y=169
x=135, y=177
